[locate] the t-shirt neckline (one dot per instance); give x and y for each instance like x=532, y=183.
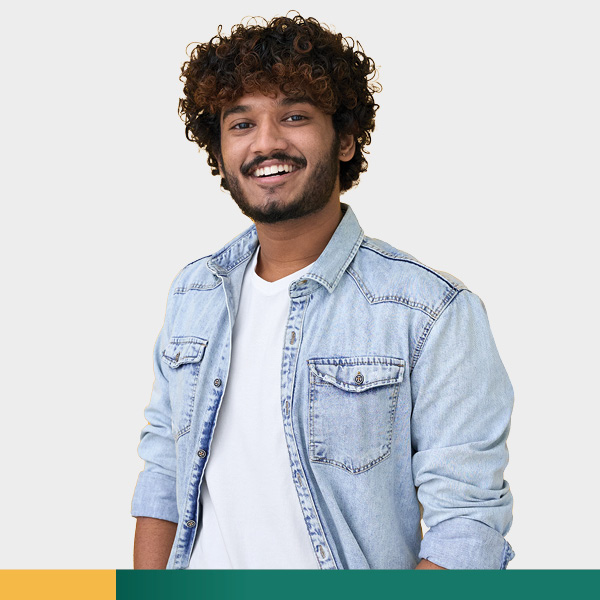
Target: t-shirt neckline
x=270, y=288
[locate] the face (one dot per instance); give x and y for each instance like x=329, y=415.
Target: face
x=280, y=157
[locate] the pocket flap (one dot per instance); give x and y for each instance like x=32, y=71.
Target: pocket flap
x=359, y=373
x=184, y=350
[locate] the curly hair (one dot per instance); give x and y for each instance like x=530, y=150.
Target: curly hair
x=296, y=56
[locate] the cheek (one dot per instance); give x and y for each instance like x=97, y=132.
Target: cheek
x=227, y=149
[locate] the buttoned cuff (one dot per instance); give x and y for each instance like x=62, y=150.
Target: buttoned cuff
x=155, y=497
x=462, y=543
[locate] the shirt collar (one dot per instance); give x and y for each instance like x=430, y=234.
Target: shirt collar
x=328, y=268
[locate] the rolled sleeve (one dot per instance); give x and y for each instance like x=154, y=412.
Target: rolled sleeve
x=155, y=492
x=155, y=497
x=465, y=544
x=462, y=405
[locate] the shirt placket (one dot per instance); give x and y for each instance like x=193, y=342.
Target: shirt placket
x=293, y=337
x=188, y=527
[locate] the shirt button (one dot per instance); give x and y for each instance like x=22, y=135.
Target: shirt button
x=201, y=453
x=177, y=357
x=359, y=378
x=191, y=524
x=217, y=382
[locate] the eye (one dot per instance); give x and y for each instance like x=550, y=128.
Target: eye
x=295, y=118
x=243, y=125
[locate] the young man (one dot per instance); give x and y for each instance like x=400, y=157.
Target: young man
x=316, y=390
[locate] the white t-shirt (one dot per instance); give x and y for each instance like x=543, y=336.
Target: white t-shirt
x=251, y=515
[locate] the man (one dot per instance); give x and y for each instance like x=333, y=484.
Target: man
x=316, y=390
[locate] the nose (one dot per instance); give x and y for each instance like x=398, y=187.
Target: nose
x=268, y=137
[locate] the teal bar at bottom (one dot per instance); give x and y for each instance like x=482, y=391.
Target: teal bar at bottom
x=360, y=585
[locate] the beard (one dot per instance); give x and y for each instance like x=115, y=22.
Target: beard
x=312, y=198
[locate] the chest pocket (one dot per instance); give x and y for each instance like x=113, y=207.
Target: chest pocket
x=352, y=407
x=183, y=355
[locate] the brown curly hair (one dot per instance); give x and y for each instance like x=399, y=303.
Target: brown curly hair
x=297, y=56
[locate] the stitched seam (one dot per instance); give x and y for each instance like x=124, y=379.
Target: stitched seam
x=197, y=287
x=356, y=360
x=348, y=469
x=176, y=341
x=360, y=284
x=410, y=303
x=420, y=344
x=352, y=386
x=313, y=458
x=182, y=432
x=350, y=258
x=369, y=246
x=396, y=299
x=240, y=260
x=448, y=299
x=331, y=286
x=239, y=240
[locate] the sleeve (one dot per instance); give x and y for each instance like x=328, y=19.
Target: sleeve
x=155, y=491
x=462, y=405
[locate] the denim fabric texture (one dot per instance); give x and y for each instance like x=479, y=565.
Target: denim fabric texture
x=394, y=404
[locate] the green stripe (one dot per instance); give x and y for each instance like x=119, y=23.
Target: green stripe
x=362, y=585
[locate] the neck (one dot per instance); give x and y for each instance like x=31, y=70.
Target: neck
x=289, y=246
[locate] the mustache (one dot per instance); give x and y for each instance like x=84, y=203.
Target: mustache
x=297, y=161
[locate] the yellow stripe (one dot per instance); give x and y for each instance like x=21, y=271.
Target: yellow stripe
x=59, y=585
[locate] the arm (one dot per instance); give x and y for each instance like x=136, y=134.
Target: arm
x=153, y=542
x=154, y=501
x=462, y=404
x=425, y=564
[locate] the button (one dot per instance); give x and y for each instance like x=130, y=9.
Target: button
x=359, y=378
x=293, y=338
x=217, y=382
x=299, y=478
x=177, y=357
x=302, y=282
x=287, y=407
x=191, y=524
x=201, y=453
x=322, y=551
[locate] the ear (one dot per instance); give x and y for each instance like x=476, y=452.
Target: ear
x=347, y=147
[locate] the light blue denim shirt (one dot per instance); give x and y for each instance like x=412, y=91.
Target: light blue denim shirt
x=394, y=403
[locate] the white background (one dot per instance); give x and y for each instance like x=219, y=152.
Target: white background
x=484, y=163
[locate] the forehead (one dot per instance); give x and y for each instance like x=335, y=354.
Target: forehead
x=257, y=101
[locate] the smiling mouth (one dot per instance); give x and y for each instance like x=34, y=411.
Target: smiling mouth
x=273, y=171
x=274, y=174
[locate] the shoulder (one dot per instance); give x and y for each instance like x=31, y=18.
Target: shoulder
x=386, y=274
x=195, y=276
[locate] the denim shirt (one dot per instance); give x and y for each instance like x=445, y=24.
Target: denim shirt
x=394, y=402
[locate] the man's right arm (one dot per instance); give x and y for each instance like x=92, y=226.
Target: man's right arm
x=154, y=501
x=153, y=542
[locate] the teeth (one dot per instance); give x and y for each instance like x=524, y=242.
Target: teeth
x=272, y=170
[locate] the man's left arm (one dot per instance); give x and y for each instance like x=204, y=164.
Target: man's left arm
x=462, y=405
x=427, y=564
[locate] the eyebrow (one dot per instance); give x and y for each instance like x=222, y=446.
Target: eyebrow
x=286, y=101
